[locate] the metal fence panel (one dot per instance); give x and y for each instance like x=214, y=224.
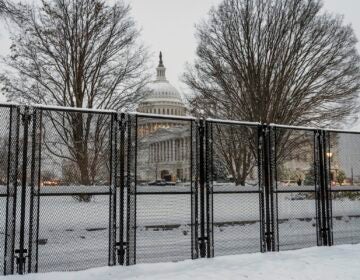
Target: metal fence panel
x=235, y=186
x=295, y=180
x=344, y=173
x=9, y=130
x=76, y=193
x=163, y=189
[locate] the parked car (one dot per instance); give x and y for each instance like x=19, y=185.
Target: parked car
x=162, y=183
x=157, y=183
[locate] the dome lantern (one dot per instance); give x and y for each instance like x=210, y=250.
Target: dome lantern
x=160, y=70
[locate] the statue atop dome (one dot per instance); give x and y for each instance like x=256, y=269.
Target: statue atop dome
x=160, y=70
x=161, y=64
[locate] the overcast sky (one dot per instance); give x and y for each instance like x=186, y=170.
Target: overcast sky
x=168, y=25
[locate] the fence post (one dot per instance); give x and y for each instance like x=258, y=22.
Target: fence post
x=324, y=193
x=209, y=189
x=260, y=159
x=21, y=257
x=267, y=202
x=194, y=135
x=317, y=175
x=113, y=162
x=12, y=186
x=131, y=174
x=121, y=245
x=273, y=188
x=35, y=179
x=202, y=238
x=327, y=145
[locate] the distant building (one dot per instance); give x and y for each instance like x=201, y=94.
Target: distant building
x=164, y=145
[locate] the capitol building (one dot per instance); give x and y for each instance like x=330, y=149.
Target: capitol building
x=164, y=145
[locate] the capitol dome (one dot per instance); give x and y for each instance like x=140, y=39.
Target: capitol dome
x=161, y=97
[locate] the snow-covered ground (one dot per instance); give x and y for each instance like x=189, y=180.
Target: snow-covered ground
x=74, y=235
x=330, y=263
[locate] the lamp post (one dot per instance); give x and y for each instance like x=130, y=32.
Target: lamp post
x=329, y=156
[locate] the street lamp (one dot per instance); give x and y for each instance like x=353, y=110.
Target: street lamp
x=329, y=156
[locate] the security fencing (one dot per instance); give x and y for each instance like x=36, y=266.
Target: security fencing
x=88, y=188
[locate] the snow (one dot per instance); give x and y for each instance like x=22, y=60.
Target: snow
x=318, y=263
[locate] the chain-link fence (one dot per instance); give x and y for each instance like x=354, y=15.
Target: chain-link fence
x=296, y=184
x=5, y=117
x=87, y=188
x=235, y=188
x=76, y=190
x=163, y=189
x=344, y=181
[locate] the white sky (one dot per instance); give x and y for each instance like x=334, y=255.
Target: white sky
x=168, y=25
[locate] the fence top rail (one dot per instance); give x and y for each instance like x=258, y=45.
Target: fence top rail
x=158, y=116
x=59, y=108
x=342, y=131
x=191, y=118
x=74, y=109
x=294, y=127
x=8, y=104
x=314, y=128
x=232, y=122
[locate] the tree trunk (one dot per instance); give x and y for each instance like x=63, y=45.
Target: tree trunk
x=240, y=180
x=80, y=145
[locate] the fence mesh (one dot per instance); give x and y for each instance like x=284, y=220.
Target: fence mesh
x=5, y=201
x=346, y=217
x=75, y=191
x=2, y=230
x=344, y=173
x=73, y=235
x=295, y=188
x=163, y=191
x=236, y=223
x=235, y=190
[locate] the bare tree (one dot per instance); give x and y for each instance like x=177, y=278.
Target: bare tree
x=82, y=54
x=8, y=9
x=275, y=61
